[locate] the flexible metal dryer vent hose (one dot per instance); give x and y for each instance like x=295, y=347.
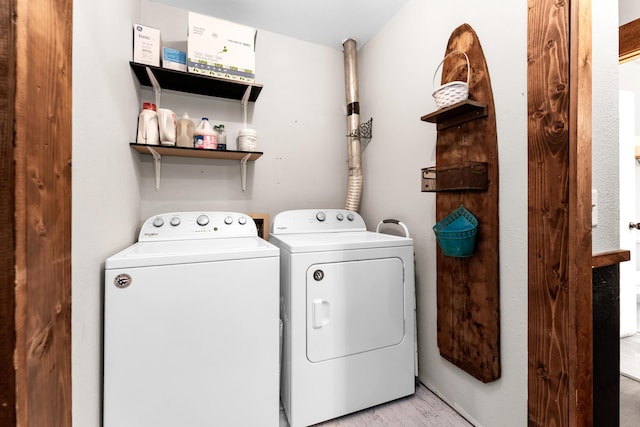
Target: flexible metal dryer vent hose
x=354, y=189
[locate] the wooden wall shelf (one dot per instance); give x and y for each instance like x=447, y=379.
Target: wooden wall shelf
x=195, y=83
x=458, y=113
x=614, y=257
x=166, y=150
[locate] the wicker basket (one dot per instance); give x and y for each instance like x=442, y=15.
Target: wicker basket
x=452, y=92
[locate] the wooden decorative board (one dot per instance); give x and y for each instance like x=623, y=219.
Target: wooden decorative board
x=468, y=288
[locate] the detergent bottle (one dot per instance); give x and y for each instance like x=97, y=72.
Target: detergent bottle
x=184, y=131
x=204, y=136
x=148, y=125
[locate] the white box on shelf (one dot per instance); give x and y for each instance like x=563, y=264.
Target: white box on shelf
x=146, y=45
x=220, y=48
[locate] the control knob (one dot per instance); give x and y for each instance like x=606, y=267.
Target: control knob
x=175, y=221
x=340, y=216
x=202, y=220
x=242, y=220
x=158, y=222
x=350, y=217
x=228, y=220
x=320, y=216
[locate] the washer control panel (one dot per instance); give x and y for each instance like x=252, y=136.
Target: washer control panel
x=317, y=221
x=197, y=225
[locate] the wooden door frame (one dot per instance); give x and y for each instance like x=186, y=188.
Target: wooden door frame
x=560, y=332
x=7, y=219
x=35, y=170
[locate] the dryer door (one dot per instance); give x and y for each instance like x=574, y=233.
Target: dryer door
x=353, y=307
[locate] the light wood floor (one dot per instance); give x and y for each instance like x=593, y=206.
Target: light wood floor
x=629, y=402
x=630, y=357
x=629, y=386
x=423, y=409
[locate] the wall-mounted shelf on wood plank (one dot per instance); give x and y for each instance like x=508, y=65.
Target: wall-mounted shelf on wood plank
x=157, y=151
x=456, y=114
x=196, y=83
x=468, y=289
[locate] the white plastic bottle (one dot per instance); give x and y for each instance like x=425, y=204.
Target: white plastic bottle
x=184, y=131
x=204, y=136
x=148, y=125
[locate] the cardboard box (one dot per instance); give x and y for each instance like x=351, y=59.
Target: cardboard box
x=174, y=59
x=146, y=45
x=220, y=48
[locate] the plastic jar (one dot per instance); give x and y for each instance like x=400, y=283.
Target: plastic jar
x=248, y=140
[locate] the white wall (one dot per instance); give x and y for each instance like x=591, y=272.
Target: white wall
x=105, y=182
x=629, y=200
x=605, y=70
x=629, y=81
x=627, y=178
x=629, y=10
x=300, y=120
x=397, y=66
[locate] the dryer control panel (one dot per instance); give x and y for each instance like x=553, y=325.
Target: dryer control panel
x=317, y=221
x=197, y=225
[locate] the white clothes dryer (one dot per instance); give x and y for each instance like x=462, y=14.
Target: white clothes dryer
x=191, y=325
x=347, y=303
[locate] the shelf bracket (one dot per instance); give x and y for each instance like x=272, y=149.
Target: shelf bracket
x=157, y=90
x=245, y=104
x=157, y=163
x=243, y=170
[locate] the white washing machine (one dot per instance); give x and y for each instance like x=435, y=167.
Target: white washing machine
x=191, y=325
x=347, y=303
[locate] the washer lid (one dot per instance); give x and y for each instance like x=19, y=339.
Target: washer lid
x=319, y=242
x=147, y=254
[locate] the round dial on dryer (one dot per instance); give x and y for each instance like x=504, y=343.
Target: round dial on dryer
x=158, y=222
x=320, y=216
x=242, y=220
x=228, y=220
x=340, y=216
x=202, y=220
x=350, y=217
x=175, y=221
